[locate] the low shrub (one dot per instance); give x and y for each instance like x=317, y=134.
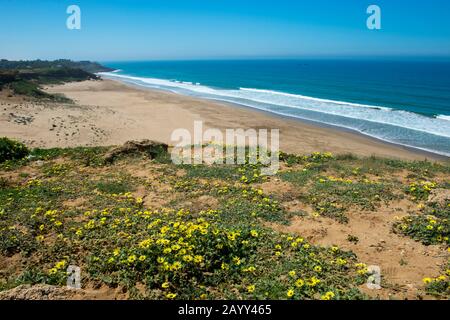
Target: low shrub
x=12, y=150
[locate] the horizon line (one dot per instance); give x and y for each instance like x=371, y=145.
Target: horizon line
x=247, y=58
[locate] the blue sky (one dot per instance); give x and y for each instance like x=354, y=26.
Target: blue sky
x=220, y=29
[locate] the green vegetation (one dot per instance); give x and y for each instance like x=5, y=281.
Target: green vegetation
x=12, y=150
x=439, y=286
x=31, y=89
x=26, y=77
x=432, y=226
x=88, y=66
x=161, y=231
x=333, y=186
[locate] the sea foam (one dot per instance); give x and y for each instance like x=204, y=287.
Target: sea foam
x=398, y=126
x=443, y=117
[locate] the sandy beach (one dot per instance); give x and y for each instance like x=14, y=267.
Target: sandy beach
x=108, y=112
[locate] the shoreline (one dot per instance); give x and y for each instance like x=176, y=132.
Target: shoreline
x=335, y=127
x=423, y=151
x=110, y=112
x=351, y=131
x=417, y=139
x=426, y=153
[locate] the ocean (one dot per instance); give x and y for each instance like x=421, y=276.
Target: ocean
x=404, y=102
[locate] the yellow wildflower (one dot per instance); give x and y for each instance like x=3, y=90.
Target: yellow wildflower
x=290, y=293
x=145, y=244
x=176, y=265
x=60, y=264
x=328, y=296
x=171, y=296
x=198, y=259
x=299, y=283
x=313, y=282
x=52, y=271
x=427, y=280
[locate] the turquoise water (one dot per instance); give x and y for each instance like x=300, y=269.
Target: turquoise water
x=403, y=102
